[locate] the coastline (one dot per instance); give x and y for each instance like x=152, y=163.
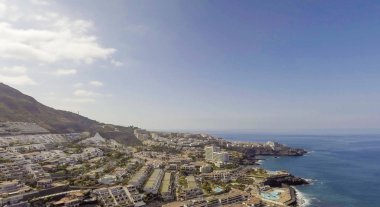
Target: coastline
x=347, y=159
x=302, y=199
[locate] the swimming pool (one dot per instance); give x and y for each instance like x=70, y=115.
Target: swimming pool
x=218, y=189
x=273, y=195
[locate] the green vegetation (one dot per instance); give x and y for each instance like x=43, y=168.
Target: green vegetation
x=182, y=181
x=225, y=167
x=239, y=186
x=207, y=187
x=230, y=166
x=84, y=181
x=108, y=169
x=259, y=173
x=193, y=158
x=3, y=160
x=165, y=149
x=246, y=181
x=123, y=135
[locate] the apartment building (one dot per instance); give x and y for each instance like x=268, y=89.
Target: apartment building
x=13, y=170
x=116, y=196
x=215, y=155
x=140, y=176
x=154, y=181
x=14, y=187
x=167, y=187
x=45, y=183
x=27, y=148
x=188, y=168
x=135, y=196
x=209, y=152
x=36, y=171
x=233, y=198
x=10, y=156
x=104, y=196
x=91, y=152
x=223, y=175
x=191, y=190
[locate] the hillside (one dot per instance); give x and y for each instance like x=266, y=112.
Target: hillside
x=16, y=106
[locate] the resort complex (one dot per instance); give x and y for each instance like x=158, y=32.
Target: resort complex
x=167, y=169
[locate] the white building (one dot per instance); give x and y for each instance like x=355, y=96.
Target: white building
x=274, y=145
x=213, y=154
x=107, y=179
x=205, y=168
x=139, y=178
x=45, y=183
x=192, y=190
x=220, y=157
x=12, y=188
x=209, y=152
x=91, y=152
x=36, y=171
x=13, y=170
x=116, y=196
x=167, y=187
x=135, y=196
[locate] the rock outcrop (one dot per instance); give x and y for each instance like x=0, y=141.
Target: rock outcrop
x=278, y=181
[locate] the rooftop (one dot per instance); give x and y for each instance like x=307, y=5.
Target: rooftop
x=165, y=186
x=153, y=178
x=191, y=183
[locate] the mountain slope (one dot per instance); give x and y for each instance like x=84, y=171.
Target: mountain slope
x=16, y=106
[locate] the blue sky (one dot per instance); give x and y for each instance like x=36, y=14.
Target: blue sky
x=265, y=66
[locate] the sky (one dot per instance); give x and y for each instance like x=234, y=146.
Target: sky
x=261, y=66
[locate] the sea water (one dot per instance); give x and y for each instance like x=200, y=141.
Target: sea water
x=344, y=170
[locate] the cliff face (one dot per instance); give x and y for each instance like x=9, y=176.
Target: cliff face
x=251, y=152
x=278, y=181
x=283, y=152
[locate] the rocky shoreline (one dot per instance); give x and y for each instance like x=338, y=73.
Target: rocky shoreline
x=252, y=151
x=289, y=180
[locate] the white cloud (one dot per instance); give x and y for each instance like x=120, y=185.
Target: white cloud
x=85, y=93
x=62, y=72
x=41, y=2
x=17, y=80
x=13, y=70
x=96, y=83
x=9, y=12
x=3, y=9
x=116, y=63
x=30, y=33
x=80, y=100
x=78, y=85
x=81, y=93
x=34, y=33
x=15, y=75
x=65, y=43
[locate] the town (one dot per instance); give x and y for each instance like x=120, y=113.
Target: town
x=39, y=168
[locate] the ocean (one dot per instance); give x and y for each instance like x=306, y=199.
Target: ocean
x=345, y=170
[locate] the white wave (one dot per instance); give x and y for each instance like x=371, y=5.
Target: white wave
x=309, y=153
x=302, y=199
x=311, y=181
